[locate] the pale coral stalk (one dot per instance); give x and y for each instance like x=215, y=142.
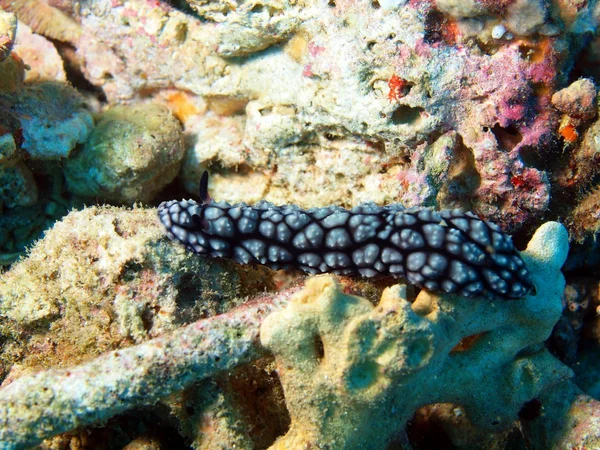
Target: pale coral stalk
x=36, y=407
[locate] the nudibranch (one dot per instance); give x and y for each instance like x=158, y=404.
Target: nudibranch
x=447, y=251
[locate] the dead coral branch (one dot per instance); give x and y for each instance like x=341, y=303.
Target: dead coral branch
x=36, y=407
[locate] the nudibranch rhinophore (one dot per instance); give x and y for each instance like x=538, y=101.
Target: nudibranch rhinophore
x=446, y=251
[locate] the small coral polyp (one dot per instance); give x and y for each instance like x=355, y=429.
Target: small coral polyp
x=379, y=364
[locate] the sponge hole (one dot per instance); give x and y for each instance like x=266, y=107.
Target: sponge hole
x=406, y=115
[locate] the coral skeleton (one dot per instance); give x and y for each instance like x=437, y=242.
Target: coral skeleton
x=36, y=407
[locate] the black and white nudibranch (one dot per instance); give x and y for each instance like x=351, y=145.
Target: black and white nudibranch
x=447, y=251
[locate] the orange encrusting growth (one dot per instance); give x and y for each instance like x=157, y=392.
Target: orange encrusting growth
x=396, y=85
x=181, y=106
x=569, y=133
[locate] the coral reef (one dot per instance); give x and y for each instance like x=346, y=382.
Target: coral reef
x=324, y=104
x=336, y=354
x=133, y=152
x=490, y=106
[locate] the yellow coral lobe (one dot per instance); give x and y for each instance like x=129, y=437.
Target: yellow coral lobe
x=315, y=287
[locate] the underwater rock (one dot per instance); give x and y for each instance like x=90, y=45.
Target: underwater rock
x=355, y=110
x=214, y=138
x=249, y=26
x=133, y=152
x=578, y=104
x=110, y=269
x=218, y=421
x=44, y=18
x=45, y=64
x=463, y=8
x=570, y=420
x=17, y=186
x=525, y=17
x=344, y=361
x=22, y=226
x=584, y=221
x=576, y=180
x=53, y=117
x=8, y=29
x=43, y=121
x=577, y=100
x=153, y=31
